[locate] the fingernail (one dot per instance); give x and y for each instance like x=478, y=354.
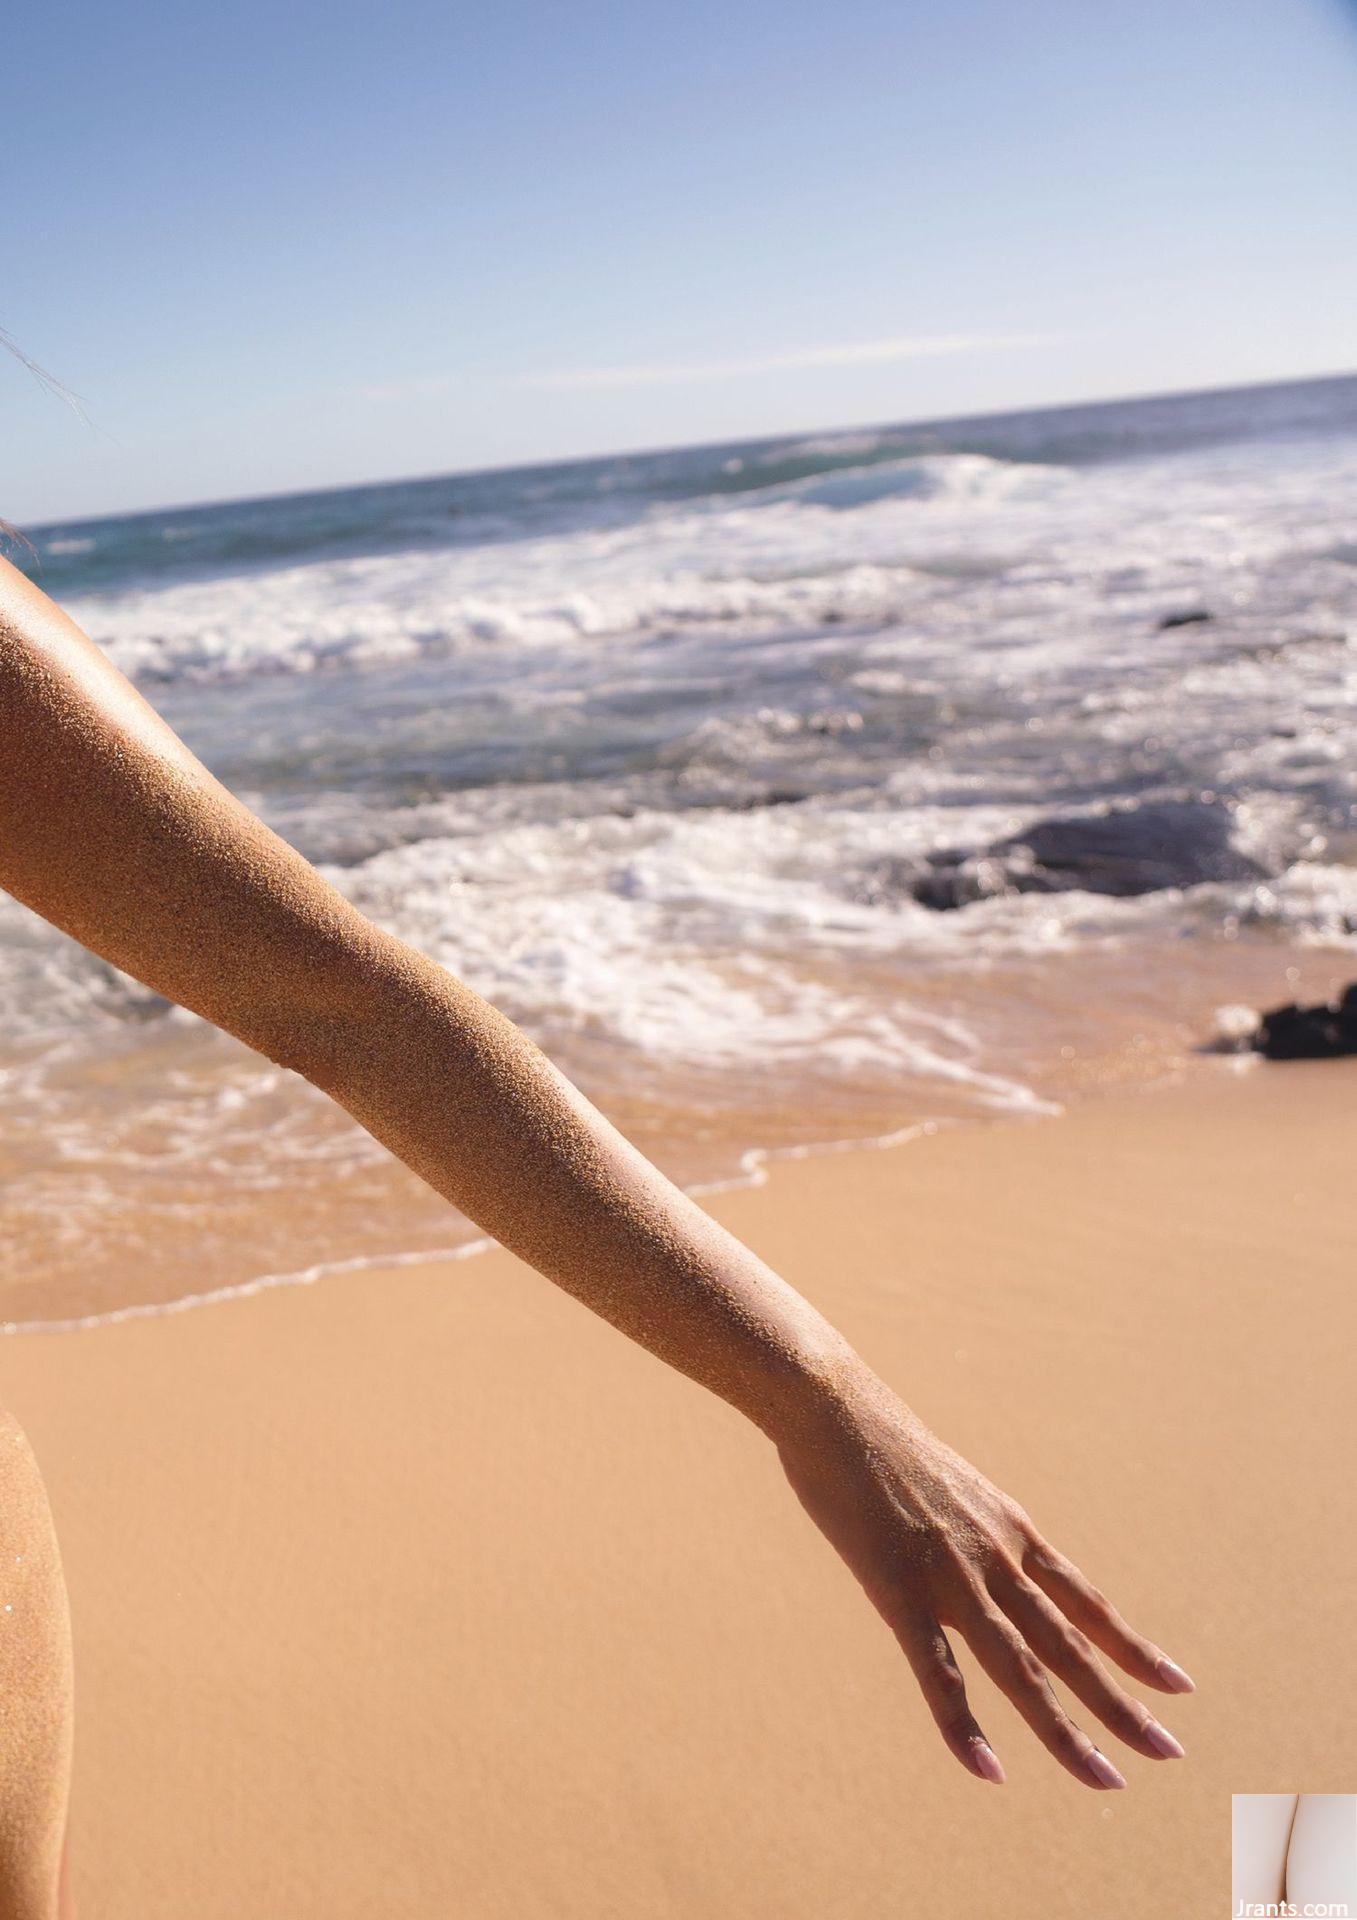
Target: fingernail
x=1173, y=1676
x=1102, y=1769
x=1162, y=1740
x=986, y=1762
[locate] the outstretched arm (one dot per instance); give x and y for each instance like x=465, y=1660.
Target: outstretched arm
x=111, y=829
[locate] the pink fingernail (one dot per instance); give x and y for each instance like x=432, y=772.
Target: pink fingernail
x=1173, y=1676
x=986, y=1762
x=1162, y=1740
x=1102, y=1769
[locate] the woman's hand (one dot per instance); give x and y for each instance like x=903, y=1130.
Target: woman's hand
x=936, y=1545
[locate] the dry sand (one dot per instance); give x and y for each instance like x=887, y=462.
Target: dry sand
x=423, y=1593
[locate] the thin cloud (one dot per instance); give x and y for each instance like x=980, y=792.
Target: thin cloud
x=424, y=388
x=918, y=346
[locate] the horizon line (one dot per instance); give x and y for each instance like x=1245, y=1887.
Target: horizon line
x=672, y=446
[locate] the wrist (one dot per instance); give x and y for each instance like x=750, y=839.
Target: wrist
x=838, y=1400
x=823, y=1381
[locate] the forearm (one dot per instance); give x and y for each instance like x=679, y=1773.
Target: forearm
x=467, y=1101
x=110, y=828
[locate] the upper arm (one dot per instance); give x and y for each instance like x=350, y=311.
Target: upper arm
x=114, y=831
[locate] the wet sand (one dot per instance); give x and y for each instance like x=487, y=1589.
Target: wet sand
x=421, y=1592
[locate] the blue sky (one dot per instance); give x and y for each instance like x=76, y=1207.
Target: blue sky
x=287, y=246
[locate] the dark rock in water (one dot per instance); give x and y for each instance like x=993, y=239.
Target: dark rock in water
x=1190, y=619
x=1299, y=1033
x=955, y=880
x=945, y=890
x=1133, y=850
x=885, y=882
x=1123, y=852
x=1323, y=1032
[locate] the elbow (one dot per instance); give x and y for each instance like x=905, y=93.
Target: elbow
x=320, y=1014
x=304, y=1044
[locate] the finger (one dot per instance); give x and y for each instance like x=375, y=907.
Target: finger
x=1012, y=1665
x=941, y=1683
x=1092, y=1611
x=1069, y=1655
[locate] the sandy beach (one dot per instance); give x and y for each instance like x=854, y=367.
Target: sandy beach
x=787, y=578
x=420, y=1592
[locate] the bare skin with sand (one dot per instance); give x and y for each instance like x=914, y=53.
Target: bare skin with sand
x=35, y=1690
x=113, y=831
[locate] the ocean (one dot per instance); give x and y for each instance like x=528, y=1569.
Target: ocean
x=789, y=792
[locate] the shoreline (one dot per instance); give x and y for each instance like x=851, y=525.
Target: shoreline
x=425, y=1592
x=757, y=1160
x=194, y=1229
x=755, y=1165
